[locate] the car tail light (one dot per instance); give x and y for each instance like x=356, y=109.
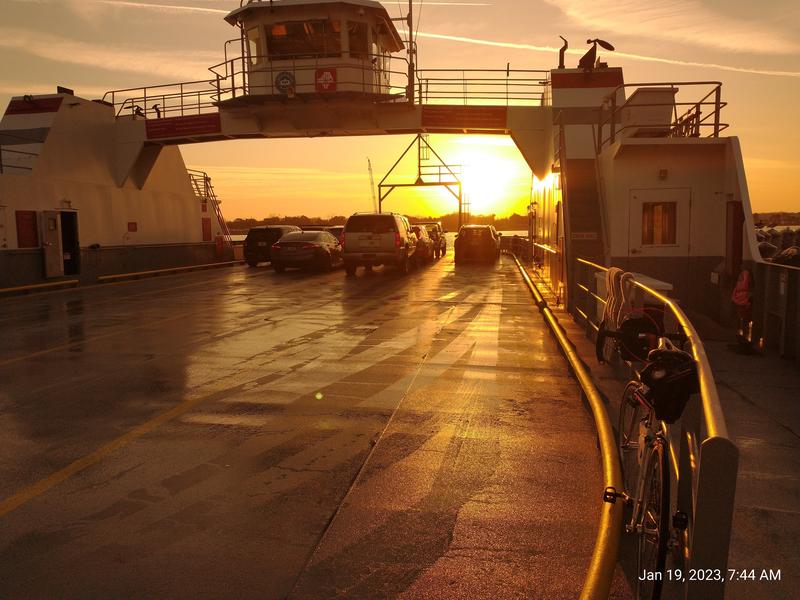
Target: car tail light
x=276, y=247
x=397, y=240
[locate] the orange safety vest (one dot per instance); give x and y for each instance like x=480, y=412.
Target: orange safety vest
x=741, y=293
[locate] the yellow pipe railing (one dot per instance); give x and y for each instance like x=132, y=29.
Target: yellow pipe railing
x=600, y=574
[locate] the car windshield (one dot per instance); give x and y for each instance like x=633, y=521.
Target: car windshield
x=260, y=235
x=483, y=231
x=370, y=224
x=302, y=236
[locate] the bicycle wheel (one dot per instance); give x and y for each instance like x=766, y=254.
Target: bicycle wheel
x=630, y=415
x=654, y=534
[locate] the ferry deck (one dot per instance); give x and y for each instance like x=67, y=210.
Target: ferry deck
x=293, y=436
x=240, y=433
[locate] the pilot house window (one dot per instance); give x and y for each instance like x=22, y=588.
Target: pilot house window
x=358, y=39
x=253, y=45
x=314, y=38
x=659, y=223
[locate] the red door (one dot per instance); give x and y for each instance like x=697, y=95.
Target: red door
x=206, y=229
x=27, y=230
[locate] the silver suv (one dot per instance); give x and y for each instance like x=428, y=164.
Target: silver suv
x=372, y=239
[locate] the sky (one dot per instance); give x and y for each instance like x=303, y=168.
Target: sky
x=94, y=46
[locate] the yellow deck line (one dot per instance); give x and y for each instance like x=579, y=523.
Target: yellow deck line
x=40, y=487
x=104, y=278
x=39, y=286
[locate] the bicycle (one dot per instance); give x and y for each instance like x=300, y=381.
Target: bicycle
x=658, y=394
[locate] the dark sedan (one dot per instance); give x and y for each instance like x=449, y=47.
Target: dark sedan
x=477, y=243
x=307, y=249
x=260, y=239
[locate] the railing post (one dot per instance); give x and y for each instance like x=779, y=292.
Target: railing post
x=613, y=121
x=717, y=108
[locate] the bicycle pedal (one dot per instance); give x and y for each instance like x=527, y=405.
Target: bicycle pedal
x=610, y=495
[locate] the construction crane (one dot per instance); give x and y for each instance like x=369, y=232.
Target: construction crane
x=372, y=186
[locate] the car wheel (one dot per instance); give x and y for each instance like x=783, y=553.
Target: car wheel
x=252, y=263
x=279, y=268
x=350, y=269
x=326, y=264
x=403, y=265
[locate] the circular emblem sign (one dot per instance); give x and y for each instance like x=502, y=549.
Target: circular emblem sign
x=284, y=81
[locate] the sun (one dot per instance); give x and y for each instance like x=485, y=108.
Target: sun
x=495, y=177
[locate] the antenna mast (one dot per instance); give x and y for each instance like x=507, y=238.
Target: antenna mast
x=411, y=52
x=372, y=186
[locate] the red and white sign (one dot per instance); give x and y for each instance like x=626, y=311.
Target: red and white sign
x=325, y=80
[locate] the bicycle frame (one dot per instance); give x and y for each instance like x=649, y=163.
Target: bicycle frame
x=652, y=433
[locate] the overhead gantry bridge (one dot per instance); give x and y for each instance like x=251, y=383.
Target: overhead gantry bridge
x=499, y=102
x=323, y=69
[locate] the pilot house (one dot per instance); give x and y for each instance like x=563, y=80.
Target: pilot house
x=296, y=48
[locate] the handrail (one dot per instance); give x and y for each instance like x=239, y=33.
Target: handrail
x=704, y=459
x=712, y=408
x=526, y=86
x=546, y=248
x=600, y=574
x=688, y=124
x=234, y=78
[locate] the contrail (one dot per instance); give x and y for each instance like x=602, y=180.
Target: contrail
x=162, y=7
x=182, y=8
x=669, y=61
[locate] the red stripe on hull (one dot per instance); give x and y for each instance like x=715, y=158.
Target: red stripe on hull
x=175, y=127
x=34, y=106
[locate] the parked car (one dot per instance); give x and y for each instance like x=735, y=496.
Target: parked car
x=336, y=231
x=478, y=243
x=259, y=241
x=306, y=249
x=372, y=239
x=436, y=234
x=425, y=245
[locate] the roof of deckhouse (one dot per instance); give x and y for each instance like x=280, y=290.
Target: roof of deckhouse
x=234, y=17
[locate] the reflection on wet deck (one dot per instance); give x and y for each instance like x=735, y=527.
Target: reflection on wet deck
x=244, y=434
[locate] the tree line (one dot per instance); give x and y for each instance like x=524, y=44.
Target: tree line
x=513, y=222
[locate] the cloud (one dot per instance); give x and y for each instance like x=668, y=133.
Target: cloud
x=641, y=57
x=684, y=21
x=771, y=163
x=21, y=88
x=192, y=65
x=288, y=176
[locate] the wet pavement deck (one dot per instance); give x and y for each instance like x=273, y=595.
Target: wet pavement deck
x=243, y=434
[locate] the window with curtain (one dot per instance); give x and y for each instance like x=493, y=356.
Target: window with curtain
x=659, y=223
x=314, y=38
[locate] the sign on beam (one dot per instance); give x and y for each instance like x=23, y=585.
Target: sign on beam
x=180, y=127
x=464, y=117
